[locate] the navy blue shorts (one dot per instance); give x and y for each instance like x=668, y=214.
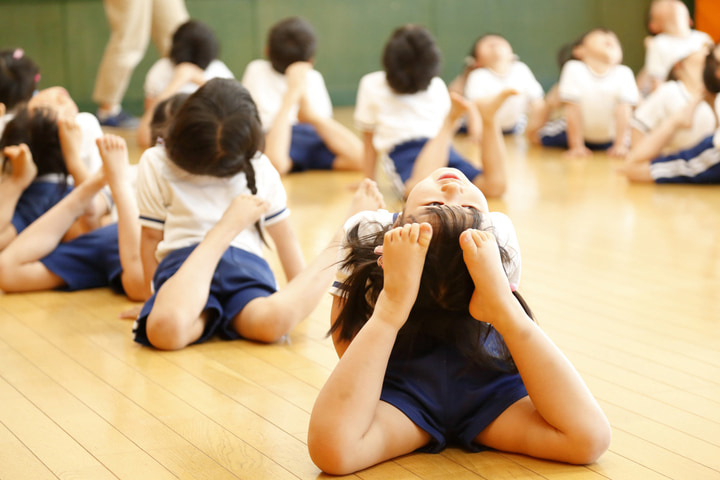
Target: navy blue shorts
x=699, y=164
x=89, y=261
x=239, y=278
x=554, y=134
x=308, y=151
x=37, y=199
x=405, y=154
x=448, y=397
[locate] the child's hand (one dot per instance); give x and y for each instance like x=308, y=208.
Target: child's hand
x=187, y=72
x=618, y=150
x=296, y=75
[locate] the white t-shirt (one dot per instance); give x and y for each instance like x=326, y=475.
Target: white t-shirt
x=667, y=99
x=161, y=73
x=186, y=206
x=372, y=222
x=664, y=51
x=597, y=95
x=716, y=137
x=268, y=87
x=4, y=120
x=394, y=118
x=485, y=82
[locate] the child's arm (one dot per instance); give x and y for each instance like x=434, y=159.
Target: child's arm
x=113, y=151
x=288, y=248
x=560, y=419
x=623, y=113
x=370, y=155
x=149, y=240
x=350, y=428
x=575, y=134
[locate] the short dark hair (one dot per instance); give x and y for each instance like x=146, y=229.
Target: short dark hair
x=163, y=115
x=37, y=129
x=290, y=40
x=18, y=77
x=194, y=42
x=710, y=78
x=411, y=59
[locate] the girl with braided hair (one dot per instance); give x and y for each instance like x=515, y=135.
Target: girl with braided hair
x=205, y=198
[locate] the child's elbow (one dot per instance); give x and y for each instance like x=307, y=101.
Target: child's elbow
x=328, y=456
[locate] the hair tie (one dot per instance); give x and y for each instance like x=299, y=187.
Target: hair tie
x=18, y=53
x=37, y=77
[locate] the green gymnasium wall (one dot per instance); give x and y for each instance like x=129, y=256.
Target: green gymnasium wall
x=67, y=37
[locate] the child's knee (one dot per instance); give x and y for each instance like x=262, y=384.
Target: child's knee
x=265, y=320
x=165, y=332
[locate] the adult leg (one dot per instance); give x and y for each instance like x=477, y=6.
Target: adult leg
x=130, y=22
x=167, y=16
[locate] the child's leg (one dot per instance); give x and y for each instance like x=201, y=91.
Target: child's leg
x=20, y=266
x=267, y=319
x=12, y=187
x=560, y=418
x=493, y=180
x=177, y=318
x=436, y=152
x=113, y=151
x=277, y=140
x=540, y=114
x=346, y=146
x=350, y=428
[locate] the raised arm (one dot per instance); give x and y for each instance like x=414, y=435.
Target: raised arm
x=288, y=248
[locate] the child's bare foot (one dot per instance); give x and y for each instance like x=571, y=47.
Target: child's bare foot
x=296, y=76
x=404, y=250
x=243, y=212
x=459, y=105
x=488, y=106
x=70, y=135
x=636, y=171
x=367, y=197
x=24, y=169
x=113, y=150
x=492, y=288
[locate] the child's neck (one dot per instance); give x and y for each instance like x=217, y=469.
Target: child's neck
x=598, y=66
x=501, y=67
x=677, y=30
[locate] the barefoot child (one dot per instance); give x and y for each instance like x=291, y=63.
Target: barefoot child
x=295, y=107
x=205, y=200
x=107, y=256
x=436, y=347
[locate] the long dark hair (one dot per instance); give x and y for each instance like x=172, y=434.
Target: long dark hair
x=441, y=311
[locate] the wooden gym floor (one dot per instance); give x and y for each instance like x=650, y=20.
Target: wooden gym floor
x=625, y=279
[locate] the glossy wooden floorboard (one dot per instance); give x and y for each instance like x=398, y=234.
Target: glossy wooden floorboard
x=624, y=278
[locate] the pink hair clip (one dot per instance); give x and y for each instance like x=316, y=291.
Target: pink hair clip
x=18, y=53
x=37, y=77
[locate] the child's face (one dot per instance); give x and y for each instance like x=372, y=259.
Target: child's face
x=602, y=45
x=668, y=15
x=445, y=186
x=492, y=50
x=56, y=99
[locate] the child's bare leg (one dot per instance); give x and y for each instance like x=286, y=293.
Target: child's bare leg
x=436, y=151
x=177, y=318
x=540, y=114
x=267, y=319
x=493, y=180
x=350, y=429
x=12, y=188
x=278, y=138
x=113, y=151
x=346, y=146
x=20, y=266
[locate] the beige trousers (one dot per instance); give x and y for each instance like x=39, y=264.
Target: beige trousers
x=132, y=24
